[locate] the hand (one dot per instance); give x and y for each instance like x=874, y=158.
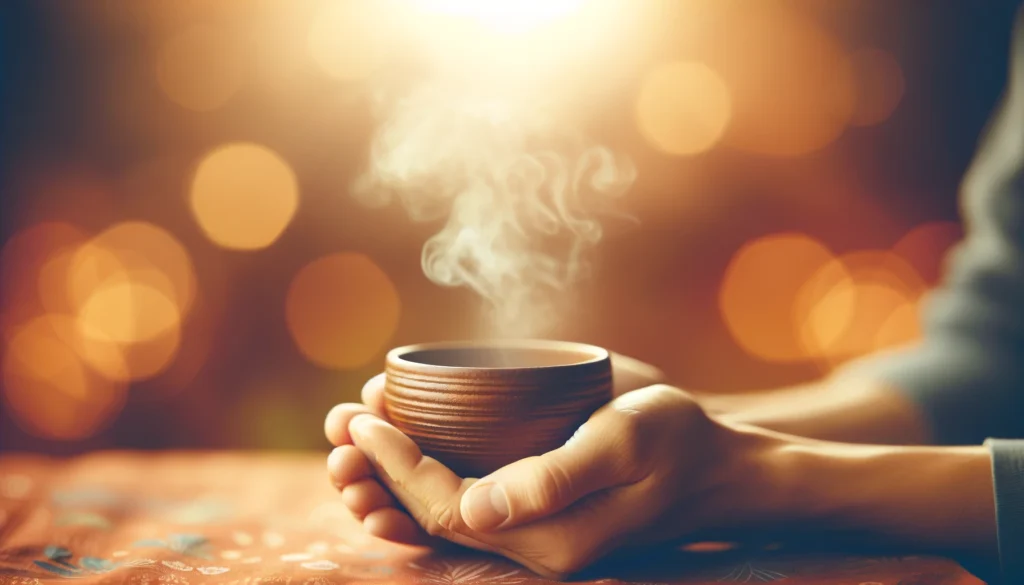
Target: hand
x=626, y=475
x=353, y=475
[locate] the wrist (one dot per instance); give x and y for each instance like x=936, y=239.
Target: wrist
x=937, y=498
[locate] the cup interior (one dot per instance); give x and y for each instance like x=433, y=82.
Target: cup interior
x=497, y=357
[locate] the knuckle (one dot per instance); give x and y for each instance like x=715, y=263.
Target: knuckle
x=554, y=486
x=629, y=430
x=443, y=520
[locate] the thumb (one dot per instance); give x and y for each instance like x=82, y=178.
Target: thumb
x=541, y=486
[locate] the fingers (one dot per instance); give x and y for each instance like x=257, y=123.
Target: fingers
x=336, y=423
x=394, y=525
x=432, y=493
x=428, y=489
x=373, y=395
x=365, y=496
x=542, y=486
x=346, y=465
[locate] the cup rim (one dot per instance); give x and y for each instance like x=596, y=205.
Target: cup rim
x=597, y=354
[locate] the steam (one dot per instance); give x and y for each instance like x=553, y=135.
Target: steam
x=522, y=196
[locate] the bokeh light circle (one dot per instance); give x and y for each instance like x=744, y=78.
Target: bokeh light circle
x=124, y=311
x=683, y=108
x=791, y=81
x=243, y=196
x=201, y=67
x=760, y=293
x=149, y=254
x=858, y=304
x=880, y=86
x=48, y=389
x=927, y=248
x=31, y=283
x=342, y=310
x=902, y=327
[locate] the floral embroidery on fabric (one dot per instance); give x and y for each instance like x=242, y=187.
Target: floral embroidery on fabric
x=748, y=572
x=60, y=561
x=320, y=566
x=176, y=565
x=141, y=529
x=191, y=545
x=446, y=573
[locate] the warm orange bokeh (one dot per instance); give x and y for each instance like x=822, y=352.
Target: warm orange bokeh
x=349, y=40
x=901, y=327
x=201, y=67
x=760, y=294
x=149, y=253
x=859, y=304
x=683, y=108
x=48, y=388
x=119, y=297
x=341, y=310
x=880, y=86
x=244, y=196
x=791, y=81
x=927, y=248
x=31, y=282
x=127, y=312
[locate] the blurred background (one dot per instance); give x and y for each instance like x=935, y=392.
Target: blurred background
x=183, y=265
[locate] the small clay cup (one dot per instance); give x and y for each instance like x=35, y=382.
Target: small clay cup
x=478, y=406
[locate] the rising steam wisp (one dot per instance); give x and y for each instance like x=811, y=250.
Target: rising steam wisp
x=522, y=196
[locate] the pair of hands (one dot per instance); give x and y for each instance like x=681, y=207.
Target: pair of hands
x=650, y=466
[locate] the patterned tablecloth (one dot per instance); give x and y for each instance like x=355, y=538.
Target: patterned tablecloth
x=250, y=519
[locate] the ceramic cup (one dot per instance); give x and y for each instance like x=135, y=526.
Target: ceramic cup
x=477, y=406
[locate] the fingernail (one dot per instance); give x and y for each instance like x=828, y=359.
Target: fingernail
x=486, y=506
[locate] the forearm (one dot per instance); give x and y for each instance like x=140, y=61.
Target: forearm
x=833, y=410
x=936, y=498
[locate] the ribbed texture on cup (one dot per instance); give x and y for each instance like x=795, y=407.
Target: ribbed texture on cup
x=476, y=420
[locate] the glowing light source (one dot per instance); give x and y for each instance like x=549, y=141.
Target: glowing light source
x=349, y=39
x=201, y=67
x=683, y=108
x=341, y=310
x=47, y=388
x=880, y=86
x=505, y=15
x=760, y=293
x=244, y=196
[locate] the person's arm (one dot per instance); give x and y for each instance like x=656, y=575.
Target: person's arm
x=930, y=498
x=965, y=381
x=861, y=411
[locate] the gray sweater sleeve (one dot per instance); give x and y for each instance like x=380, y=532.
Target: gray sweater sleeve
x=1008, y=479
x=967, y=375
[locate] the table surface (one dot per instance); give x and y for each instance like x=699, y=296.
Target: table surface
x=251, y=519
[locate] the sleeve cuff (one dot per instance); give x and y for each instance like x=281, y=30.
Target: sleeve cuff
x=966, y=391
x=1008, y=481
